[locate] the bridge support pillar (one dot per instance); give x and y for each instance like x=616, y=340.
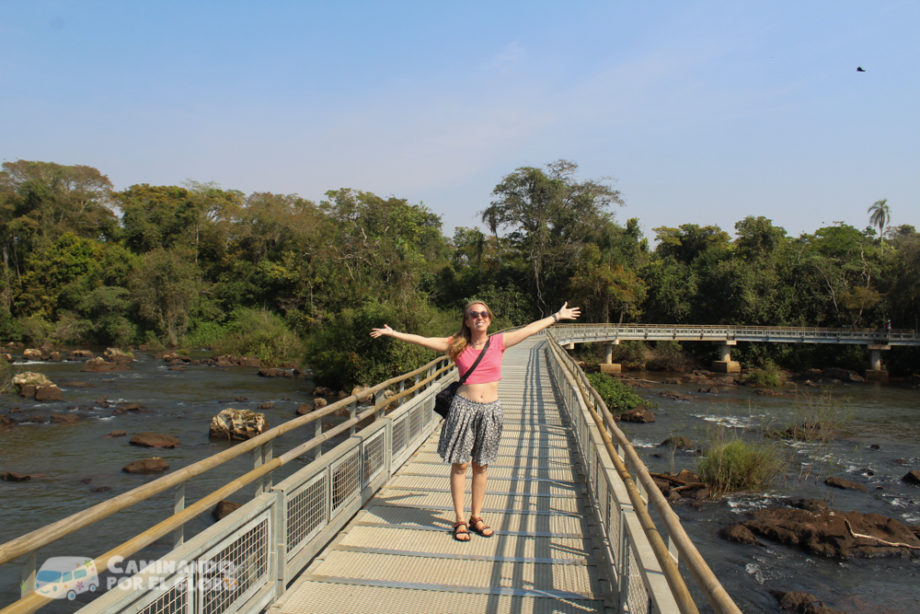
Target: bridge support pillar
x=875, y=372
x=608, y=366
x=569, y=346
x=725, y=364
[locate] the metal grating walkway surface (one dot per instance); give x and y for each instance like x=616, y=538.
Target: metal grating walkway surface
x=397, y=554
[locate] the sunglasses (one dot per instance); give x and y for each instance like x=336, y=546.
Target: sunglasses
x=478, y=314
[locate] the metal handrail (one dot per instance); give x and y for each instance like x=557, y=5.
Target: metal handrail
x=705, y=578
x=435, y=370
x=751, y=333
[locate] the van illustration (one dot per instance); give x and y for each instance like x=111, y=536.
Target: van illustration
x=68, y=576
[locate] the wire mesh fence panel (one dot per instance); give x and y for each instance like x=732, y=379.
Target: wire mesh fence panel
x=235, y=570
x=307, y=512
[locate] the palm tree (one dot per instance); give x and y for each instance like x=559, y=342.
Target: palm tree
x=879, y=215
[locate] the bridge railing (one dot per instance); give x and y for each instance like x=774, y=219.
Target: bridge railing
x=245, y=560
x=580, y=333
x=645, y=569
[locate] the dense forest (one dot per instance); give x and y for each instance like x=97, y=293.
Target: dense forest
x=296, y=282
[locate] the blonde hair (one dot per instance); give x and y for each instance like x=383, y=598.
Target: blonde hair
x=461, y=340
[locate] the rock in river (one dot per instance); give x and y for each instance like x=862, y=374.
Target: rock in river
x=814, y=528
x=237, y=424
x=154, y=440
x=147, y=466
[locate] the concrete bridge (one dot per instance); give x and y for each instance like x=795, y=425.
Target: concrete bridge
x=727, y=337
x=354, y=515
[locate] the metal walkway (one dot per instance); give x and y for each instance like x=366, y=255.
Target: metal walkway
x=397, y=554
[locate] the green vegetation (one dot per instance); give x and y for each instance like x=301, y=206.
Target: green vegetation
x=291, y=280
x=817, y=419
x=616, y=394
x=769, y=376
x=733, y=465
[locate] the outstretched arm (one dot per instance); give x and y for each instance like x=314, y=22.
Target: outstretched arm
x=565, y=313
x=439, y=344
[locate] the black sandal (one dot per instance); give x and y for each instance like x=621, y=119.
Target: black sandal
x=478, y=526
x=460, y=529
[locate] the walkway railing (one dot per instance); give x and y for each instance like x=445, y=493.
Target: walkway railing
x=623, y=504
x=583, y=333
x=272, y=537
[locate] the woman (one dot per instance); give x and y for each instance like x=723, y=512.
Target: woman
x=473, y=426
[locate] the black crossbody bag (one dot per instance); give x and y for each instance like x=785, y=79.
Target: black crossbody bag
x=444, y=398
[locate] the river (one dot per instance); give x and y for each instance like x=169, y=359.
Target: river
x=77, y=465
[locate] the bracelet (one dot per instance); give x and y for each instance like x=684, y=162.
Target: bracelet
x=555, y=318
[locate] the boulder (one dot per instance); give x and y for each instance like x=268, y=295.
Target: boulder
x=637, y=415
x=362, y=394
x=227, y=360
x=173, y=358
x=154, y=440
x=118, y=356
x=65, y=418
x=147, y=466
x=844, y=484
x=237, y=424
x=273, y=372
x=739, y=534
x=267, y=405
x=31, y=354
x=12, y=476
x=48, y=393
x=116, y=434
x=81, y=354
x=839, y=535
x=912, y=477
x=124, y=408
x=6, y=421
x=684, y=485
x=224, y=508
x=678, y=442
x=797, y=602
x=319, y=402
x=304, y=408
x=101, y=365
x=30, y=378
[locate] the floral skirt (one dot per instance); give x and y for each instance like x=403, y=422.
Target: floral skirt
x=472, y=431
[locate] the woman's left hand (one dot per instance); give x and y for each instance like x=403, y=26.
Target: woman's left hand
x=568, y=313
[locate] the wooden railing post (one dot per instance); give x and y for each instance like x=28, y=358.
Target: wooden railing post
x=27, y=581
x=352, y=412
x=178, y=506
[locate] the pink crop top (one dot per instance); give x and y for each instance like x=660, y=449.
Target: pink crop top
x=489, y=368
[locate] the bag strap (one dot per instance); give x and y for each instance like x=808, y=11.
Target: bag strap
x=481, y=354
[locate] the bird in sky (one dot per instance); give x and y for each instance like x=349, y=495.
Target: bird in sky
x=860, y=69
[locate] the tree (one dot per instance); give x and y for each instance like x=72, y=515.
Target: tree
x=59, y=199
x=879, y=215
x=41, y=201
x=690, y=241
x=835, y=275
x=549, y=216
x=165, y=286
x=602, y=287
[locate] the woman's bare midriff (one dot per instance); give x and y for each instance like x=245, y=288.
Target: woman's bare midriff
x=481, y=393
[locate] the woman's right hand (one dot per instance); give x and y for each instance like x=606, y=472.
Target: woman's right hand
x=379, y=332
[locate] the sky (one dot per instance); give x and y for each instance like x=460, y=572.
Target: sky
x=698, y=112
